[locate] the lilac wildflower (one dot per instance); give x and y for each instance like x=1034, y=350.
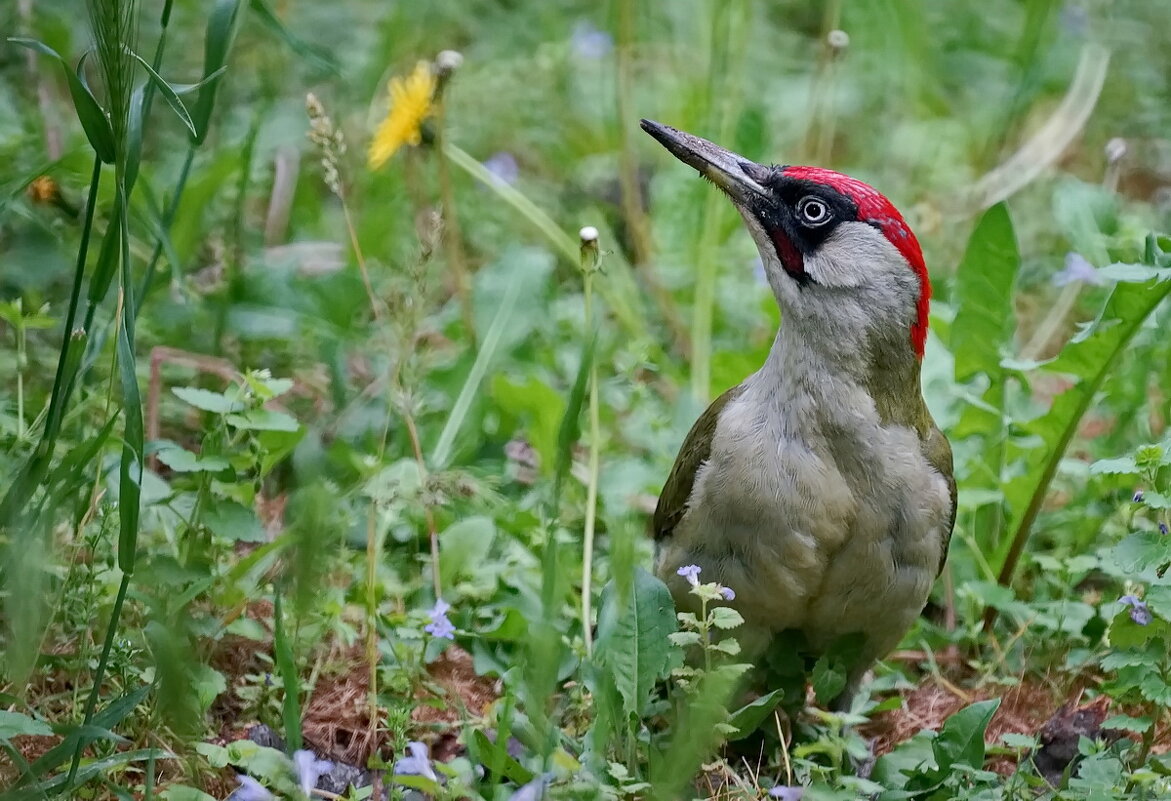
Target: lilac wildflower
x=1077, y=269
x=440, y=626
x=310, y=769
x=503, y=167
x=785, y=793
x=417, y=764
x=1138, y=496
x=250, y=790
x=691, y=573
x=1163, y=529
x=1139, y=612
x=728, y=593
x=589, y=42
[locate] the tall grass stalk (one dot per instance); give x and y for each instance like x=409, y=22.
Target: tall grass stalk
x=589, y=268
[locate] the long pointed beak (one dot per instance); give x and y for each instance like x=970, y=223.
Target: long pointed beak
x=733, y=173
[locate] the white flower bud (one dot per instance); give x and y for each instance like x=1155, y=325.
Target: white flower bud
x=1115, y=150
x=448, y=61
x=838, y=40
x=589, y=234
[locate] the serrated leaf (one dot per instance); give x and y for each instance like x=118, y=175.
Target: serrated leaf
x=683, y=639
x=216, y=402
x=632, y=637
x=1122, y=465
x=725, y=617
x=1141, y=551
x=727, y=646
x=1127, y=723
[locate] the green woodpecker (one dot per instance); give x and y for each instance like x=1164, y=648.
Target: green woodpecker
x=819, y=490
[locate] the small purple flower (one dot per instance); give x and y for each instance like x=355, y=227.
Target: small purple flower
x=691, y=573
x=728, y=593
x=503, y=167
x=310, y=769
x=440, y=626
x=1077, y=269
x=787, y=793
x=589, y=42
x=1163, y=529
x=1138, y=496
x=250, y=790
x=417, y=764
x=1139, y=612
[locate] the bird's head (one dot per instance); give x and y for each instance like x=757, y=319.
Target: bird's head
x=842, y=263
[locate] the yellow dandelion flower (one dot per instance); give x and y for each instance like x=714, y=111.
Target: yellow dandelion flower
x=410, y=104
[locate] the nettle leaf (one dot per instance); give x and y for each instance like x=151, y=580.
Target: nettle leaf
x=683, y=639
x=1156, y=500
x=961, y=739
x=632, y=637
x=182, y=460
x=1150, y=457
x=217, y=402
x=15, y=724
x=1155, y=689
x=1122, y=465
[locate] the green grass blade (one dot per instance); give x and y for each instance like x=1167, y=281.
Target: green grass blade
x=290, y=682
x=467, y=393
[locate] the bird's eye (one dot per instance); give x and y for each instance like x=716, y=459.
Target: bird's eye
x=813, y=211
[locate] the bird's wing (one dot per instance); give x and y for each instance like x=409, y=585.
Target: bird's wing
x=938, y=452
x=694, y=452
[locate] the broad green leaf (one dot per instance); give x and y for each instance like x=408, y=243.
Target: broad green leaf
x=263, y=420
x=632, y=637
x=463, y=547
x=231, y=521
x=1141, y=551
x=538, y=405
x=217, y=402
x=1123, y=465
x=961, y=739
x=828, y=679
x=749, y=717
x=182, y=460
x=496, y=757
x=1127, y=723
x=984, y=320
x=15, y=724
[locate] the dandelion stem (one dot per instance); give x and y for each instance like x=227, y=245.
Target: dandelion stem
x=452, y=237
x=589, y=258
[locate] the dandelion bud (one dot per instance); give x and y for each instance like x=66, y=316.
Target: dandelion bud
x=1115, y=150
x=448, y=61
x=837, y=40
x=589, y=234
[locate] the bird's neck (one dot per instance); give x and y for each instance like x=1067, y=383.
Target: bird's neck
x=827, y=373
